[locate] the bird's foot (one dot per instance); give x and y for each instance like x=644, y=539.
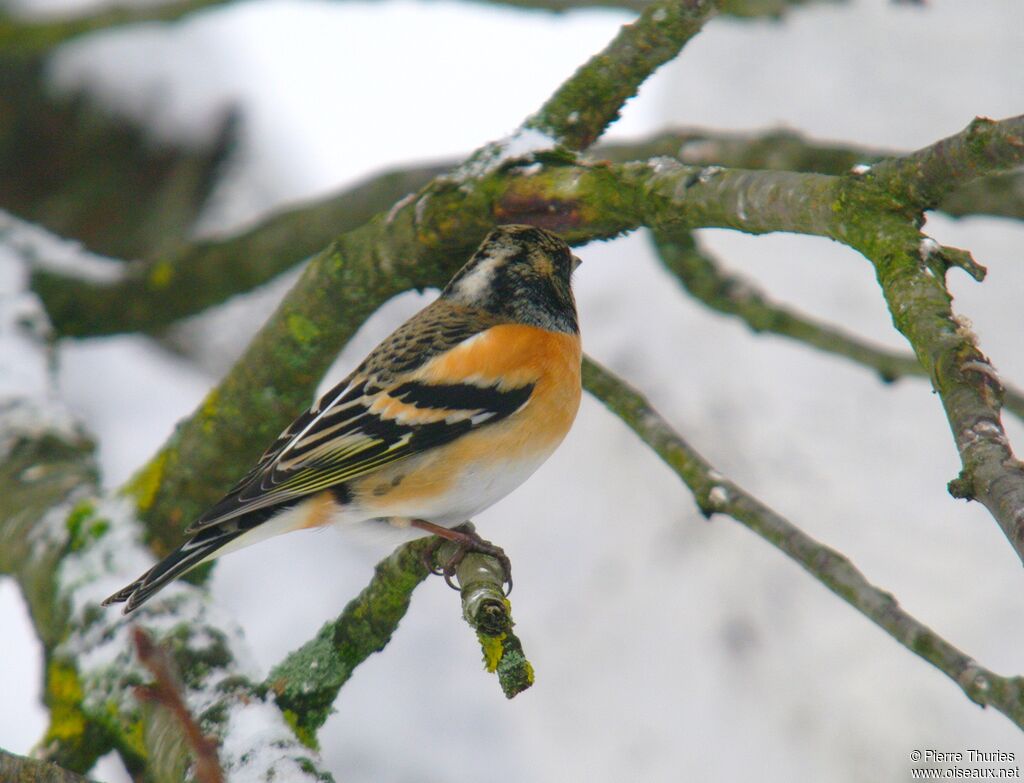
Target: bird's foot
x=467, y=540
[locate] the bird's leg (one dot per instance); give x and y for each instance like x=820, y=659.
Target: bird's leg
x=468, y=540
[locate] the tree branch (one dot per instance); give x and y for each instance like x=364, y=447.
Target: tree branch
x=306, y=683
x=910, y=269
x=716, y=494
x=923, y=178
x=166, y=692
x=731, y=294
x=580, y=110
x=1000, y=194
x=85, y=173
x=151, y=294
x=488, y=611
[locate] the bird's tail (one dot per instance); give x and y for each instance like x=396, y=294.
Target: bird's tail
x=202, y=546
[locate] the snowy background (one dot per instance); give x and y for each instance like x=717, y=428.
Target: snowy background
x=667, y=648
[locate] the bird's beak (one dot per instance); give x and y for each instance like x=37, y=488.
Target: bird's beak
x=576, y=261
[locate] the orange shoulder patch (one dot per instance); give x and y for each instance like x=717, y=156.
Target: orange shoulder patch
x=508, y=355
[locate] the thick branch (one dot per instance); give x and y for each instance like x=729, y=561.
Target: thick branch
x=151, y=294
x=1000, y=194
x=90, y=175
x=154, y=293
x=923, y=178
x=970, y=390
x=716, y=494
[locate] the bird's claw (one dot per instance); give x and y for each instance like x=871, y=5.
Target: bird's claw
x=466, y=542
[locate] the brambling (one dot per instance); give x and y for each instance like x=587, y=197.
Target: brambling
x=450, y=413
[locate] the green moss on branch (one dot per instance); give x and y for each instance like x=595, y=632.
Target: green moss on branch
x=580, y=110
x=87, y=174
x=306, y=683
x=488, y=611
x=153, y=294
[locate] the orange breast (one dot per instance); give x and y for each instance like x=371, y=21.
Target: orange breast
x=512, y=355
x=509, y=355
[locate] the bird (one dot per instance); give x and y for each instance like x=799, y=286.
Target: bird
x=445, y=417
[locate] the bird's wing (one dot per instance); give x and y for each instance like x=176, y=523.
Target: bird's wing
x=382, y=413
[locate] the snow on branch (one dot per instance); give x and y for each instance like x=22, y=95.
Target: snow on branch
x=68, y=549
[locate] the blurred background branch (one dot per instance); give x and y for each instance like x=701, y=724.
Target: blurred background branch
x=86, y=173
x=66, y=550
x=25, y=36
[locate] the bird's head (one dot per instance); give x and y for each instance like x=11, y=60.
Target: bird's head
x=522, y=273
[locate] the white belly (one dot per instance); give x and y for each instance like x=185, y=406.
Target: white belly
x=480, y=488
x=476, y=487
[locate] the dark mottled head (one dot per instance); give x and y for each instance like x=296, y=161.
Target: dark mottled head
x=522, y=273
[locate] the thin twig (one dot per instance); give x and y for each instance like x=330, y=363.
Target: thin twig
x=486, y=608
x=716, y=494
x=732, y=294
x=166, y=692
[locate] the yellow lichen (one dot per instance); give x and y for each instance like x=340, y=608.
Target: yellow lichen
x=493, y=648
x=144, y=484
x=209, y=409
x=302, y=733
x=302, y=329
x=64, y=695
x=161, y=274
